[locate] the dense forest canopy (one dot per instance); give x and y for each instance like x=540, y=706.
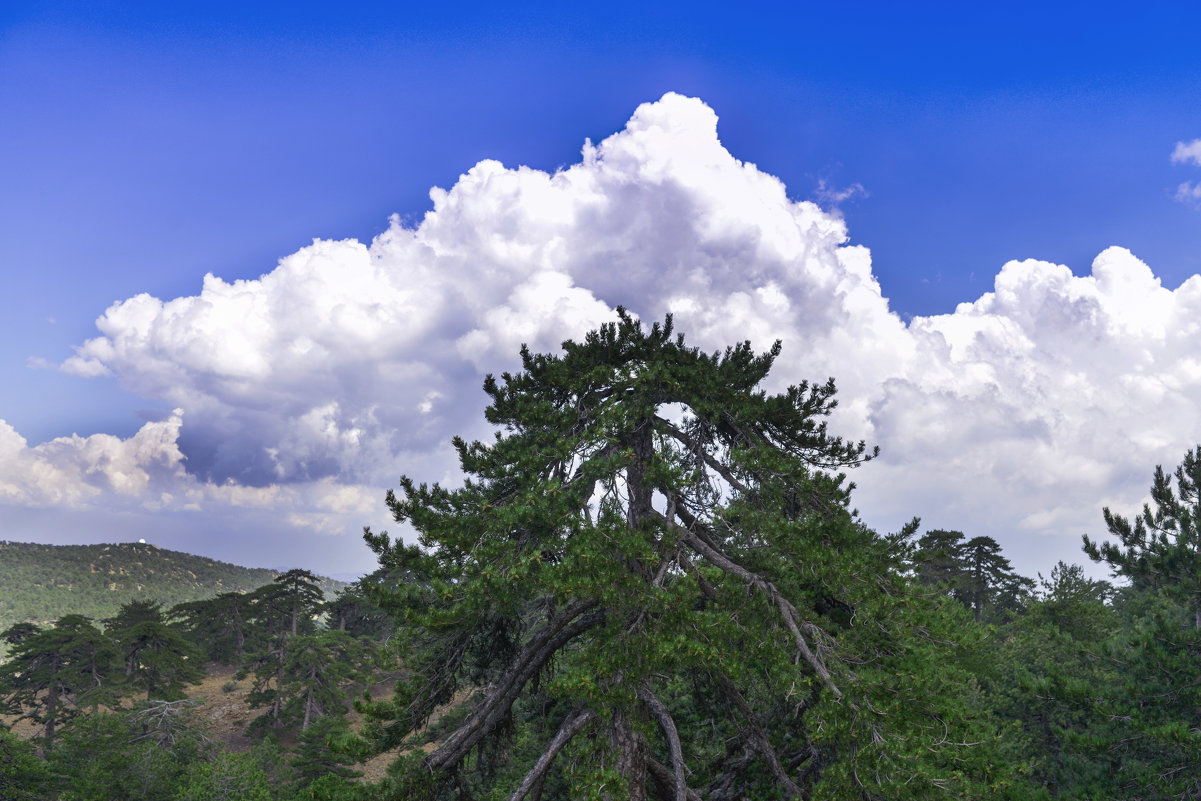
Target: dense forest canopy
x=651, y=585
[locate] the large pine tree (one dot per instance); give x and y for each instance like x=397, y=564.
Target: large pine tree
x=649, y=583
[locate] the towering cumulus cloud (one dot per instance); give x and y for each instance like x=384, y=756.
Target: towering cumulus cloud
x=349, y=363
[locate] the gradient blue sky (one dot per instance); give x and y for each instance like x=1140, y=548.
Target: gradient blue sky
x=143, y=145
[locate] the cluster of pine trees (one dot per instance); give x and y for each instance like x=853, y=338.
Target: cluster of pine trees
x=652, y=584
x=99, y=695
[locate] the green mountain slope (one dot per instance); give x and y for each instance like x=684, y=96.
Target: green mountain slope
x=41, y=583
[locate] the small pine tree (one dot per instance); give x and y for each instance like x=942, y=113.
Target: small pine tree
x=318, y=751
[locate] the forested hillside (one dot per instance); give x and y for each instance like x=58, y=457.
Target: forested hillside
x=41, y=583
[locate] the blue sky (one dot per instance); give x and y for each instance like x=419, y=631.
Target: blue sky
x=145, y=145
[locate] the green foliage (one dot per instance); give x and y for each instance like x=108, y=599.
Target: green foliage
x=1155, y=731
x=23, y=777
x=991, y=585
x=974, y=572
x=228, y=777
x=107, y=756
x=219, y=626
x=307, y=682
x=938, y=560
x=1051, y=672
x=1161, y=549
x=302, y=598
x=321, y=751
x=299, y=671
x=334, y=788
x=352, y=610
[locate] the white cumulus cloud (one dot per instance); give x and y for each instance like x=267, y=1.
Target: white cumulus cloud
x=1045, y=398
x=349, y=363
x=146, y=473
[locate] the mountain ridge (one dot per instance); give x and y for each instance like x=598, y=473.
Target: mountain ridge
x=40, y=583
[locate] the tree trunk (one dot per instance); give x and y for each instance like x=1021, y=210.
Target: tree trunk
x=640, y=490
x=279, y=686
x=631, y=757
x=308, y=699
x=51, y=714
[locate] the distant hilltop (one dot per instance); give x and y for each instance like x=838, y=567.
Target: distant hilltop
x=41, y=583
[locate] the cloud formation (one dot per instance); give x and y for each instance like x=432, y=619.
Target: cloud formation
x=73, y=471
x=350, y=363
x=1188, y=192
x=1045, y=398
x=1184, y=152
x=146, y=473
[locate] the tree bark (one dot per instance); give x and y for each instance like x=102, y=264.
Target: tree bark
x=631, y=757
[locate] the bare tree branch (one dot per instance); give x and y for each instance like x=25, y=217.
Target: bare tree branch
x=792, y=618
x=673, y=739
x=570, y=728
x=541, y=647
x=758, y=736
